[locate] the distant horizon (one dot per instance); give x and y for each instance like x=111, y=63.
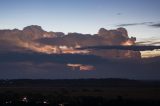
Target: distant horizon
x=52, y=79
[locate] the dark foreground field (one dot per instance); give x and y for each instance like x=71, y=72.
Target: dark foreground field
x=86, y=92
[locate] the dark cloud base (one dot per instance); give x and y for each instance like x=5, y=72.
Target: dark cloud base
x=57, y=58
x=134, y=48
x=42, y=66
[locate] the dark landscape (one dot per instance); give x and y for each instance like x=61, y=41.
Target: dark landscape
x=79, y=92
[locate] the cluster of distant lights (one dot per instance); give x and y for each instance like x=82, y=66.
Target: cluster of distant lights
x=26, y=100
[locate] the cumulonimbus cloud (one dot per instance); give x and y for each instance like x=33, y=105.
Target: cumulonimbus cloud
x=35, y=53
x=34, y=38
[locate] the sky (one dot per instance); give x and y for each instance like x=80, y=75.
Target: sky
x=139, y=17
x=37, y=53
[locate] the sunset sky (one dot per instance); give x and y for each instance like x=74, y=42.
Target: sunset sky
x=74, y=39
x=140, y=17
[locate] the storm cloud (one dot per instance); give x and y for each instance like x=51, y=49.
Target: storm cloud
x=35, y=53
x=35, y=39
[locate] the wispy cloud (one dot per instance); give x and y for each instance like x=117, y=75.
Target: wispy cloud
x=151, y=24
x=156, y=25
x=155, y=41
x=135, y=24
x=119, y=14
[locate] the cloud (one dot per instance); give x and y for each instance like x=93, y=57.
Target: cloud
x=157, y=25
x=45, y=58
x=152, y=24
x=131, y=24
x=104, y=37
x=154, y=41
x=35, y=53
x=119, y=14
x=36, y=66
x=134, y=48
x=33, y=38
x=134, y=24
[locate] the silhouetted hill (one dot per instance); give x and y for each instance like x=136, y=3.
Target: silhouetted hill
x=78, y=83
